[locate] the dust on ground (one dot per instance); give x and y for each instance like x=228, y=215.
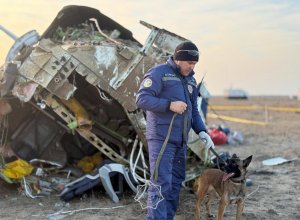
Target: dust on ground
x=274, y=192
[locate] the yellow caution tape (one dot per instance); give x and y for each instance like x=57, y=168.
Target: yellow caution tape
x=234, y=107
x=252, y=107
x=284, y=109
x=234, y=119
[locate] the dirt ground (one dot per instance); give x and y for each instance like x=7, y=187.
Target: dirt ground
x=274, y=193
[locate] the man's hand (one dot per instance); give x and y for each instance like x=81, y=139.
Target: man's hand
x=207, y=140
x=178, y=107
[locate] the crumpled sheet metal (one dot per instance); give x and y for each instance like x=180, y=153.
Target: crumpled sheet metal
x=50, y=66
x=116, y=68
x=25, y=91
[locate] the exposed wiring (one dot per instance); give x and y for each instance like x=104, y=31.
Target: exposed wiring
x=136, y=161
x=144, y=162
x=142, y=195
x=4, y=135
x=133, y=166
x=27, y=188
x=103, y=96
x=86, y=209
x=131, y=158
x=254, y=191
x=102, y=33
x=142, y=190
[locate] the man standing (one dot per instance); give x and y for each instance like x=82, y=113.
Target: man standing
x=169, y=89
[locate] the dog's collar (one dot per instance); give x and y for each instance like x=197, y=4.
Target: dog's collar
x=243, y=181
x=228, y=176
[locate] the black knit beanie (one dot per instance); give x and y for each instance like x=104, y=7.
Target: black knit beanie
x=186, y=51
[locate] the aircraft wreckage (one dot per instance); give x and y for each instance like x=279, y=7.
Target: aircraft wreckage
x=71, y=92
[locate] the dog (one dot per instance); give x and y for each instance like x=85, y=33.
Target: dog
x=229, y=184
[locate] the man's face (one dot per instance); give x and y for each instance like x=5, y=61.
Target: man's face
x=186, y=66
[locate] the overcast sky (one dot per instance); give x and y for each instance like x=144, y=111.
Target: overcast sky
x=253, y=45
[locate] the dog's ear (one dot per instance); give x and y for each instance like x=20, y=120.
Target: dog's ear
x=247, y=161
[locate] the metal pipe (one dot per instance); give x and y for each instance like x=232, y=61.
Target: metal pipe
x=9, y=33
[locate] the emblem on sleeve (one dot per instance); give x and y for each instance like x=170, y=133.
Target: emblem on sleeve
x=147, y=83
x=190, y=88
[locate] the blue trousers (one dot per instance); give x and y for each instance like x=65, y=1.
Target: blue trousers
x=171, y=174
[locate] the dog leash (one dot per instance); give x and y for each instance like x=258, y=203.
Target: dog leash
x=218, y=157
x=162, y=150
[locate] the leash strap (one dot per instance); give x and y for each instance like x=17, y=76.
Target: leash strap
x=162, y=150
x=217, y=155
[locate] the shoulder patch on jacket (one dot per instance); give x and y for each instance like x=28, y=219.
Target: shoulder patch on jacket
x=147, y=83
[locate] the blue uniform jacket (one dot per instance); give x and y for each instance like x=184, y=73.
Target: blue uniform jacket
x=161, y=85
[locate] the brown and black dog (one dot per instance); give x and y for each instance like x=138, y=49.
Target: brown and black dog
x=229, y=184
